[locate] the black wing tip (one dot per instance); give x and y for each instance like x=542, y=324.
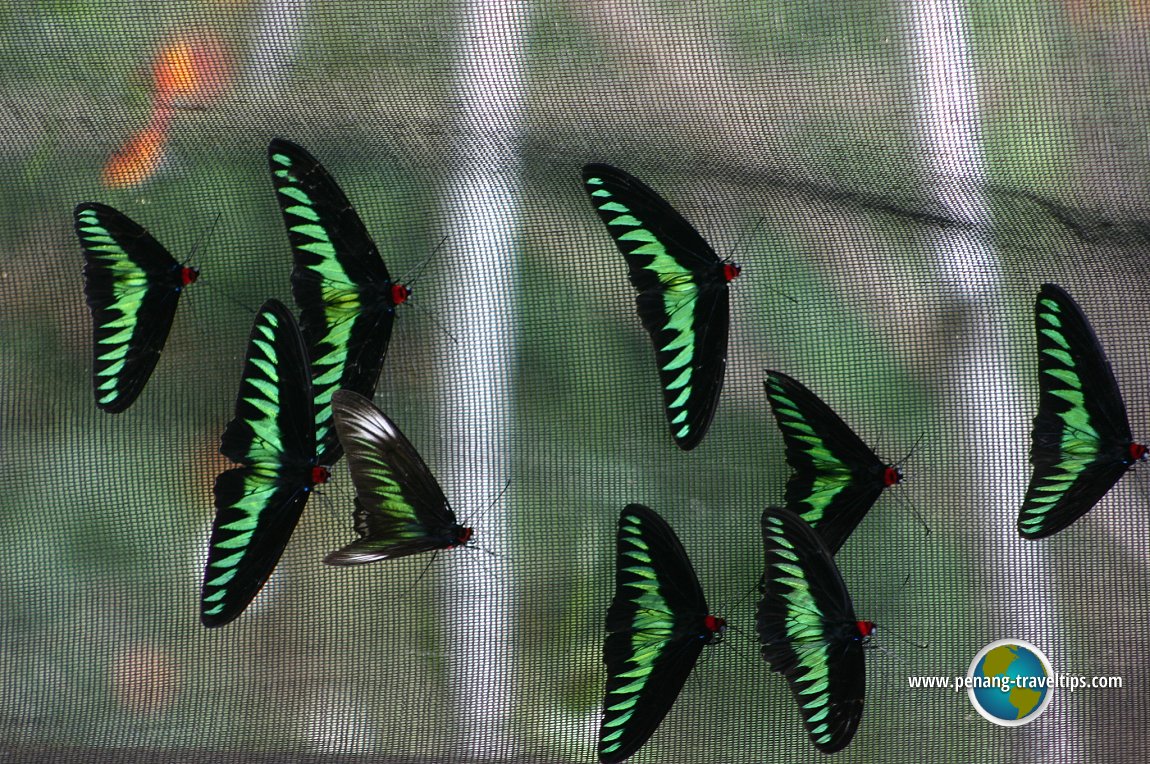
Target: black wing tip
x=276, y=308
x=285, y=146
x=595, y=169
x=642, y=511
x=118, y=406
x=216, y=621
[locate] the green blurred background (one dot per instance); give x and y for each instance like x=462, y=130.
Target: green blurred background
x=894, y=193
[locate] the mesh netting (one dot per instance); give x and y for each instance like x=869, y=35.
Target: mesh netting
x=895, y=179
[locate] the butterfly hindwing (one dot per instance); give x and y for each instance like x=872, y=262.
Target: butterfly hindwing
x=1081, y=443
x=399, y=507
x=344, y=292
x=808, y=631
x=133, y=287
x=272, y=437
x=836, y=476
x=683, y=299
x=657, y=626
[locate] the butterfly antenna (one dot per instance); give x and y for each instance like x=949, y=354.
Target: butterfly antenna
x=435, y=319
x=910, y=453
x=201, y=245
x=419, y=270
x=230, y=298
x=491, y=504
x=905, y=502
x=886, y=650
x=205, y=237
x=739, y=244
x=727, y=607
x=423, y=572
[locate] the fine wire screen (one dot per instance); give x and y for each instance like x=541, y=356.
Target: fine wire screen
x=895, y=180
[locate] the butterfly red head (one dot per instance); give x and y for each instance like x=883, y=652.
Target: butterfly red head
x=400, y=293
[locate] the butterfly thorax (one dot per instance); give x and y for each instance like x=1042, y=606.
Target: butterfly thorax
x=865, y=629
x=381, y=296
x=461, y=535
x=1136, y=453
x=715, y=627
x=399, y=293
x=891, y=476
x=731, y=272
x=319, y=475
x=188, y=275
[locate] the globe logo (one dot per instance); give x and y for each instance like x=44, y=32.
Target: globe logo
x=1010, y=682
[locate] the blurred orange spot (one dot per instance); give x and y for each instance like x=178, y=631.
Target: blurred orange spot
x=144, y=679
x=191, y=71
x=138, y=159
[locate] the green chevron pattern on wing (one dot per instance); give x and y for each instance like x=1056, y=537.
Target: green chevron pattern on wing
x=808, y=631
x=679, y=295
x=657, y=626
x=264, y=454
x=837, y=478
x=272, y=438
x=1079, y=443
x=804, y=630
x=653, y=629
x=133, y=287
x=129, y=286
x=400, y=507
x=831, y=476
x=340, y=295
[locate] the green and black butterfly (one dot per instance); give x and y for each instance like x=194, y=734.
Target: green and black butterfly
x=836, y=476
x=657, y=626
x=683, y=298
x=1081, y=443
x=273, y=437
x=808, y=629
x=133, y=287
x=399, y=507
x=345, y=294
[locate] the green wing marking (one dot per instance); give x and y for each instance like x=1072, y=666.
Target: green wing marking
x=346, y=297
x=683, y=299
x=1081, y=443
x=837, y=478
x=272, y=437
x=808, y=630
x=657, y=626
x=399, y=507
x=133, y=287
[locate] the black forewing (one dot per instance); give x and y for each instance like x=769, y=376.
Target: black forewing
x=339, y=282
x=1080, y=444
x=655, y=631
x=837, y=478
x=272, y=436
x=808, y=630
x=133, y=287
x=683, y=299
x=400, y=508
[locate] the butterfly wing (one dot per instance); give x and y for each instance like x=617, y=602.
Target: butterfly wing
x=400, y=508
x=272, y=436
x=836, y=476
x=683, y=299
x=133, y=287
x=1081, y=441
x=655, y=631
x=808, y=631
x=342, y=287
